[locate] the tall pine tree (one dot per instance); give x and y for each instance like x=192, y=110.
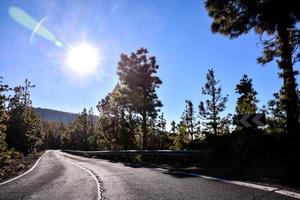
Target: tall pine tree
x=211, y=109
x=278, y=21
x=246, y=103
x=3, y=120
x=117, y=124
x=24, y=125
x=189, y=119
x=277, y=120
x=139, y=82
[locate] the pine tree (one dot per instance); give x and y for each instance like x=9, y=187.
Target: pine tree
x=277, y=121
x=23, y=130
x=188, y=117
x=92, y=142
x=161, y=123
x=139, y=82
x=181, y=140
x=32, y=124
x=173, y=127
x=3, y=120
x=163, y=136
x=49, y=130
x=107, y=123
x=246, y=103
x=210, y=109
x=127, y=119
x=79, y=131
x=278, y=21
x=117, y=125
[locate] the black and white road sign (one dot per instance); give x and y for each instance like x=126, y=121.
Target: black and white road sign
x=253, y=120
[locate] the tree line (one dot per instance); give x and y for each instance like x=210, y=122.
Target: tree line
x=20, y=126
x=130, y=115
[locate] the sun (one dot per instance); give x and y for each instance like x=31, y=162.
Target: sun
x=82, y=59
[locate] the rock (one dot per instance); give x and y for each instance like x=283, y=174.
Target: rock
x=20, y=167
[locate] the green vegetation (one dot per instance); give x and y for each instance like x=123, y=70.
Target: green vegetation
x=246, y=103
x=120, y=124
x=23, y=124
x=3, y=119
x=210, y=110
x=20, y=126
x=55, y=115
x=275, y=22
x=130, y=116
x=138, y=83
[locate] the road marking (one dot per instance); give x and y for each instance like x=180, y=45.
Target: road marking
x=24, y=172
x=289, y=193
x=250, y=185
x=99, y=190
x=244, y=184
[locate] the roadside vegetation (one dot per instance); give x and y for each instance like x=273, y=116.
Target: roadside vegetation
x=130, y=115
x=21, y=138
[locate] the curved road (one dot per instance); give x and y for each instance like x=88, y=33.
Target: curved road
x=68, y=177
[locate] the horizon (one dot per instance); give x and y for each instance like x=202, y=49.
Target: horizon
x=160, y=99
x=183, y=44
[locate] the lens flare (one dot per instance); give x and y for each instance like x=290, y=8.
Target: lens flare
x=24, y=19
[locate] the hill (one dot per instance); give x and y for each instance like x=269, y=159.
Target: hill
x=55, y=115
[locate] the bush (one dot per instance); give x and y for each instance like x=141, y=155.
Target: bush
x=4, y=155
x=255, y=153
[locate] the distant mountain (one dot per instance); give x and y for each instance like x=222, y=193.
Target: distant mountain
x=55, y=115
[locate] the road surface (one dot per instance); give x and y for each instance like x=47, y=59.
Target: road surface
x=64, y=176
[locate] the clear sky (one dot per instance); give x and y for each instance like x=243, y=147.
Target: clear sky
x=177, y=32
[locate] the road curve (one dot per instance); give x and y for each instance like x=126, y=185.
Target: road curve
x=64, y=176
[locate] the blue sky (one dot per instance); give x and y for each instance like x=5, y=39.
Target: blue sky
x=176, y=32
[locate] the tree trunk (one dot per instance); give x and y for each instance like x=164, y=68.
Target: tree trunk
x=289, y=82
x=215, y=125
x=215, y=128
x=144, y=129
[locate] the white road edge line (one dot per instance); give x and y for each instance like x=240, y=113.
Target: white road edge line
x=288, y=193
x=91, y=173
x=250, y=185
x=5, y=182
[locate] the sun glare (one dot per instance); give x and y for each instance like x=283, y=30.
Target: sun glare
x=82, y=59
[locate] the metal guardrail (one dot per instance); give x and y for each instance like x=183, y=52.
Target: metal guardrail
x=136, y=152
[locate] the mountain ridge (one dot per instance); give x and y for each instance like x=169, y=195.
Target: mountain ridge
x=52, y=115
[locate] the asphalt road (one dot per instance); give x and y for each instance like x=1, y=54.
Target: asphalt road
x=64, y=176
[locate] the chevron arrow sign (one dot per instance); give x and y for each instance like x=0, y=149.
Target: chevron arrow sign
x=252, y=120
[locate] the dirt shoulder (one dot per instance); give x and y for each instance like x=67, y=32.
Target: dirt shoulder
x=16, y=166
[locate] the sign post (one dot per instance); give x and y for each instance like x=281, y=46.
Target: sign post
x=252, y=120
